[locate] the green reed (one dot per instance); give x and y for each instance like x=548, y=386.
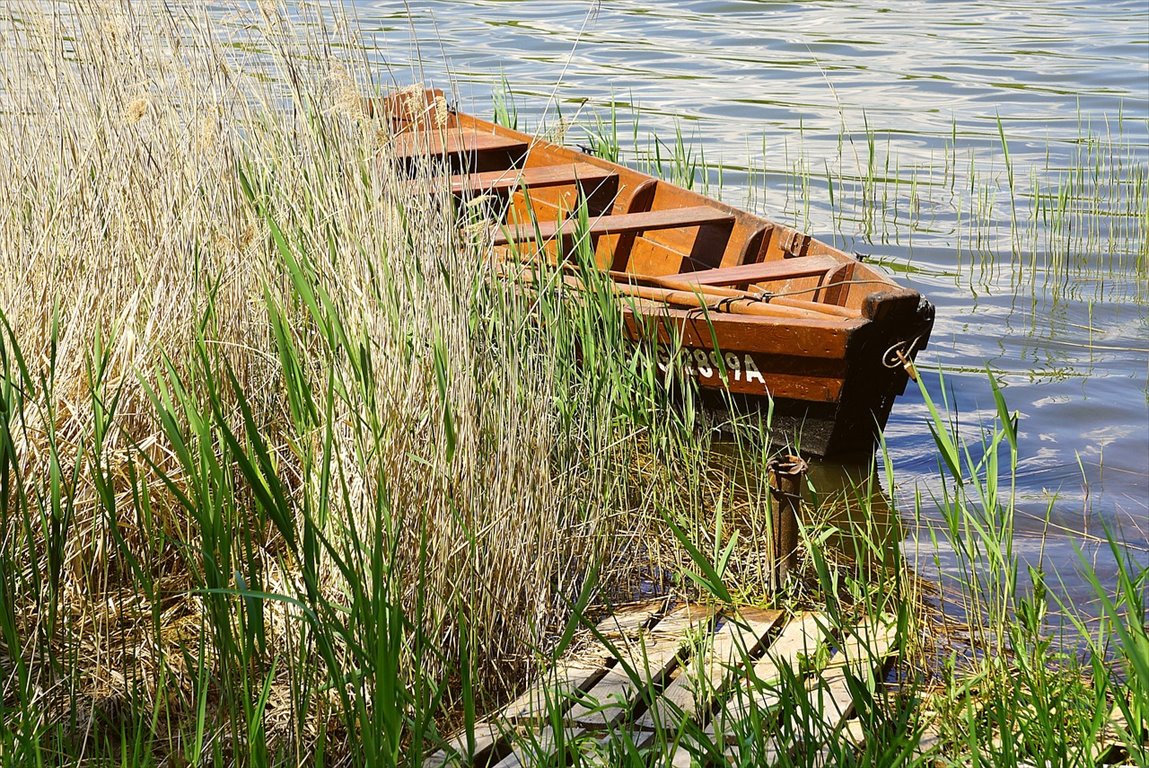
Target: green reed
x=1076, y=213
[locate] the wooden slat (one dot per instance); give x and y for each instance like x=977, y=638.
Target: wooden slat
x=650, y=658
x=736, y=642
x=457, y=752
x=860, y=657
x=618, y=224
x=577, y=675
x=583, y=174
x=536, y=747
x=802, y=638
x=684, y=281
x=744, y=274
x=723, y=668
x=452, y=141
x=691, y=695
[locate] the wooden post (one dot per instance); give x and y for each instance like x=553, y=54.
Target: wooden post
x=787, y=477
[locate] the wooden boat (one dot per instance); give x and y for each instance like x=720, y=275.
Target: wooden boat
x=752, y=309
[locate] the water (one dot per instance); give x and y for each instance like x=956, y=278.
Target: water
x=879, y=127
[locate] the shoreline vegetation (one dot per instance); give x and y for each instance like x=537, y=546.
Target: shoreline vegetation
x=288, y=476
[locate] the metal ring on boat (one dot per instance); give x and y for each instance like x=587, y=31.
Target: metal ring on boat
x=897, y=355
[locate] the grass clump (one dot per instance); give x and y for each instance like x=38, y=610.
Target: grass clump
x=281, y=465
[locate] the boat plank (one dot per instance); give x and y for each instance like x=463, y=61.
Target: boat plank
x=781, y=269
x=452, y=141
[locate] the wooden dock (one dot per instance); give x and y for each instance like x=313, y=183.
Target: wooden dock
x=704, y=681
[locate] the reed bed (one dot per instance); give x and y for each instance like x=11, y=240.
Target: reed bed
x=289, y=475
x=273, y=441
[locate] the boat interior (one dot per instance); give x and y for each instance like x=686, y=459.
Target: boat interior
x=660, y=243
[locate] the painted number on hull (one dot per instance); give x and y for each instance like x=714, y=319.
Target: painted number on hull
x=740, y=367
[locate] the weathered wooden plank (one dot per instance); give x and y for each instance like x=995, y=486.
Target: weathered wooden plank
x=709, y=673
x=463, y=751
x=779, y=269
x=537, y=746
x=861, y=657
x=574, y=676
x=862, y=654
x=649, y=659
x=733, y=646
x=649, y=656
x=801, y=639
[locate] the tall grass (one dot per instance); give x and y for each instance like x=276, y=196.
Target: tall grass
x=290, y=475
x=280, y=462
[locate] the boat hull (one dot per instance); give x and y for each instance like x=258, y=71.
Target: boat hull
x=821, y=391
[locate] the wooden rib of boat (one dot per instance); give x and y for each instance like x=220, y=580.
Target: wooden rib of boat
x=752, y=309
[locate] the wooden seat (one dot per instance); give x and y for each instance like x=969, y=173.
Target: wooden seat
x=583, y=174
x=453, y=142
x=744, y=274
x=619, y=224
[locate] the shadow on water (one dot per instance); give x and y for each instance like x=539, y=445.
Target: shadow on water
x=850, y=499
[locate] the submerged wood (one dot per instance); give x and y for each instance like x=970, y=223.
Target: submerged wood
x=754, y=311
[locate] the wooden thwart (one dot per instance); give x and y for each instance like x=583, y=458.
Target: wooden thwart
x=453, y=141
x=618, y=224
x=781, y=269
x=584, y=175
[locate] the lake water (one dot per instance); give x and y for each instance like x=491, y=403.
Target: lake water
x=883, y=127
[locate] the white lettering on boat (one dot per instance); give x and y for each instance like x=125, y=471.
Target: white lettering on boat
x=752, y=371
x=740, y=367
x=703, y=361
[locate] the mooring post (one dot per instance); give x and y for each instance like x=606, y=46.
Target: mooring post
x=787, y=477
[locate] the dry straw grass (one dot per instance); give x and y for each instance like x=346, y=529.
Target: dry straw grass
x=137, y=280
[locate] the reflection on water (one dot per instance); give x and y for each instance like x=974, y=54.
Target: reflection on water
x=850, y=497
x=846, y=498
